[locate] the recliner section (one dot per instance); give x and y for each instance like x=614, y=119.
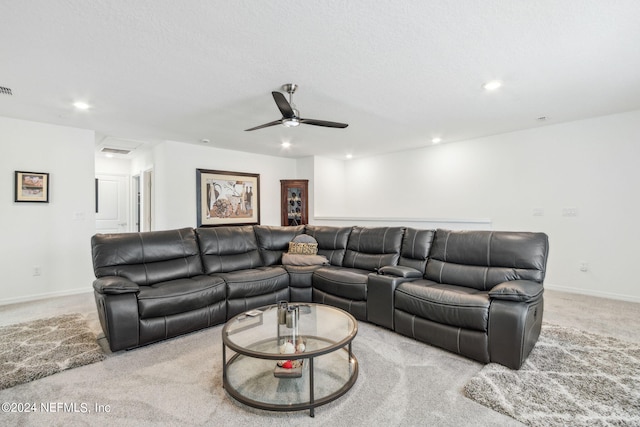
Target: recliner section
x=367, y=250
x=232, y=254
x=475, y=293
x=152, y=286
x=469, y=277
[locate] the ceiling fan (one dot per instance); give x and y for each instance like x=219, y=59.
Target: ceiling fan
x=291, y=115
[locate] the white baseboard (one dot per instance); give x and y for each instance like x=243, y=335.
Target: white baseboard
x=46, y=295
x=610, y=295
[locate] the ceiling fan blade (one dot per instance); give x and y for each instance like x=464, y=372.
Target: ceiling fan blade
x=266, y=125
x=323, y=123
x=283, y=105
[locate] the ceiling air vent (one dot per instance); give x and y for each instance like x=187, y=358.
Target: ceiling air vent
x=5, y=90
x=115, y=151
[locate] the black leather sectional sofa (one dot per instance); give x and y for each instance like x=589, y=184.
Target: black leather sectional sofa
x=476, y=293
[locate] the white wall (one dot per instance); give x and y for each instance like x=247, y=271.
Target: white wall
x=305, y=169
x=54, y=236
x=591, y=165
x=330, y=188
x=175, y=167
x=497, y=182
x=112, y=166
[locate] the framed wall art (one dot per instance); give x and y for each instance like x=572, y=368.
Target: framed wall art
x=227, y=198
x=31, y=187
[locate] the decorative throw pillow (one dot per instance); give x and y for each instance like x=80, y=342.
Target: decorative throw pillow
x=303, y=248
x=298, y=259
x=303, y=244
x=304, y=238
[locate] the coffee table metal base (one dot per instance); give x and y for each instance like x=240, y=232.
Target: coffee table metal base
x=250, y=380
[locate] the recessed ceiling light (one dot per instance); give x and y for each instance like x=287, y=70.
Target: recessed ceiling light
x=349, y=156
x=205, y=140
x=81, y=105
x=436, y=140
x=286, y=144
x=492, y=85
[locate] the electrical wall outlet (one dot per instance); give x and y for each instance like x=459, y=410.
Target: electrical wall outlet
x=538, y=212
x=569, y=211
x=37, y=271
x=584, y=266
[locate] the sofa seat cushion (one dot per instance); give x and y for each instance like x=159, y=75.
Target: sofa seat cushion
x=452, y=305
x=349, y=283
x=255, y=281
x=179, y=296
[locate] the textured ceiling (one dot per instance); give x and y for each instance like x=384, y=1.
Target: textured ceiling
x=400, y=73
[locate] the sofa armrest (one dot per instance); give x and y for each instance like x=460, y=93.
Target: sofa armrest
x=514, y=328
x=517, y=290
x=400, y=271
x=114, y=285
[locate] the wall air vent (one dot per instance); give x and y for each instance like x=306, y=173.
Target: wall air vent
x=115, y=150
x=5, y=91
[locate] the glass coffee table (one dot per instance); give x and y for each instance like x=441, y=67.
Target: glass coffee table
x=329, y=368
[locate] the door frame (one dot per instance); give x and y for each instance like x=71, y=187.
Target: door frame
x=147, y=200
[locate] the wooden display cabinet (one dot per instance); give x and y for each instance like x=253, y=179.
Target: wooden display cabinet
x=295, y=201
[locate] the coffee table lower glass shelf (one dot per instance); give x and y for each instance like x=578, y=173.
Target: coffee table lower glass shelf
x=329, y=367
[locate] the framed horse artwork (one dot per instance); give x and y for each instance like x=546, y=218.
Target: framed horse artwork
x=227, y=198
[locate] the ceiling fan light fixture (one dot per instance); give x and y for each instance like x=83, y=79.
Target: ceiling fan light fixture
x=291, y=123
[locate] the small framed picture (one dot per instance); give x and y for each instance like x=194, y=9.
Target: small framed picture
x=32, y=187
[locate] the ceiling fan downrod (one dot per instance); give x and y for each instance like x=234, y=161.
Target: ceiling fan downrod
x=290, y=88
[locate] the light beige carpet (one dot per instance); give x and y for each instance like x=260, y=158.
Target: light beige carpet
x=571, y=378
x=40, y=348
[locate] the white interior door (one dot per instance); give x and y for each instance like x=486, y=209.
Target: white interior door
x=113, y=204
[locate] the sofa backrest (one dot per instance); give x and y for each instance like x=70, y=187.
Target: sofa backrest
x=370, y=248
x=416, y=246
x=332, y=241
x=482, y=259
x=273, y=241
x=225, y=249
x=149, y=257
